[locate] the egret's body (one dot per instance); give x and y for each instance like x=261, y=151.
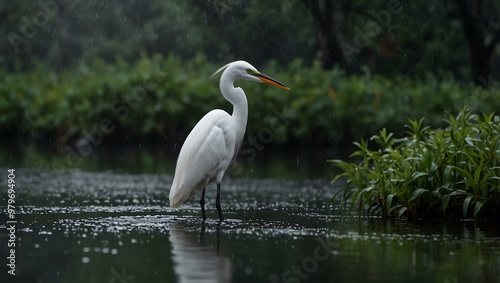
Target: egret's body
x=213, y=144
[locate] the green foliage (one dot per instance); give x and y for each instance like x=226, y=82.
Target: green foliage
x=417, y=38
x=73, y=31
x=414, y=39
x=166, y=96
x=450, y=173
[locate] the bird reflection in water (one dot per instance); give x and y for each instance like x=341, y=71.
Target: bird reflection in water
x=195, y=260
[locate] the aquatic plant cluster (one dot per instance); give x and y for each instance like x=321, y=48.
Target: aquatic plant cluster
x=163, y=98
x=450, y=173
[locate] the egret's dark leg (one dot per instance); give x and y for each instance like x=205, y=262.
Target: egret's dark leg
x=217, y=203
x=217, y=239
x=202, y=204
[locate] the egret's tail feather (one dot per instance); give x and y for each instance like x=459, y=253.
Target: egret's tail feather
x=180, y=193
x=177, y=198
x=174, y=204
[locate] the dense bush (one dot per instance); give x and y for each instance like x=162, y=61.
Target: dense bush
x=450, y=173
x=165, y=96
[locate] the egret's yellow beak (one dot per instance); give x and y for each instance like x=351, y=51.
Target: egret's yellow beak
x=267, y=79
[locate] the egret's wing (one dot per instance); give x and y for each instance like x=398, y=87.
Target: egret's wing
x=208, y=150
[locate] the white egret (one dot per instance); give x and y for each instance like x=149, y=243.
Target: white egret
x=211, y=147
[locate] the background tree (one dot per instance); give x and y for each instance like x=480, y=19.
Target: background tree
x=481, y=25
x=417, y=40
x=328, y=18
x=257, y=31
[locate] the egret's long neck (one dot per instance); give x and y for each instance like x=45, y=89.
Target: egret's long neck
x=237, y=97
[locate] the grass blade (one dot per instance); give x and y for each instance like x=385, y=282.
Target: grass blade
x=465, y=206
x=477, y=207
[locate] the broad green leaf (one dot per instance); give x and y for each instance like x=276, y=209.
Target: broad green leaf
x=447, y=174
x=444, y=202
x=417, y=175
x=465, y=206
x=465, y=173
x=477, y=207
x=388, y=202
x=477, y=176
x=395, y=207
x=417, y=193
x=401, y=211
x=458, y=193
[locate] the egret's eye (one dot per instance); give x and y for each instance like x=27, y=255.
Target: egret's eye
x=252, y=72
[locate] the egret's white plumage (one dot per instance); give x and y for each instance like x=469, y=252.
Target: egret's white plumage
x=205, y=156
x=212, y=145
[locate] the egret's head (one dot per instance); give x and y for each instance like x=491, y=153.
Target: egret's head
x=241, y=70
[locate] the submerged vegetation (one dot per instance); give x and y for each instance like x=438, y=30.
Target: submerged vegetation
x=163, y=97
x=451, y=173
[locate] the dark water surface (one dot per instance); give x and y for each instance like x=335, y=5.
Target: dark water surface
x=108, y=220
